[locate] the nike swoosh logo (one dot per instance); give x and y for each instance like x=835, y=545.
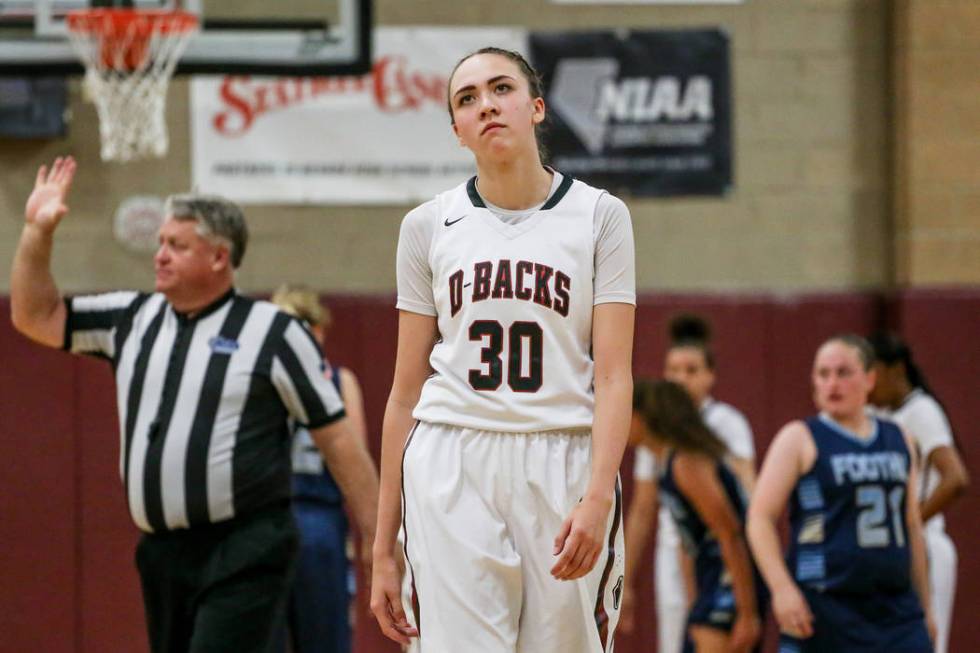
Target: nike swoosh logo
x=450, y=223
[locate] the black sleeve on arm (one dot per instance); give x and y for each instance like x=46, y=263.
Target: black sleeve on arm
x=69, y=316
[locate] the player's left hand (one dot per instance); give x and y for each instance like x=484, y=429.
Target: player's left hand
x=581, y=539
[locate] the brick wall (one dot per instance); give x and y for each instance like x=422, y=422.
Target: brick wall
x=937, y=56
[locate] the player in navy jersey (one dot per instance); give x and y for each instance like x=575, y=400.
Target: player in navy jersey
x=691, y=362
x=318, y=616
x=854, y=578
x=708, y=505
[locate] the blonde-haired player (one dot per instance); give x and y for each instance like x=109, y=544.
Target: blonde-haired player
x=511, y=400
x=318, y=613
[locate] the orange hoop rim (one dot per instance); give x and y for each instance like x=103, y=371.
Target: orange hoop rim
x=108, y=22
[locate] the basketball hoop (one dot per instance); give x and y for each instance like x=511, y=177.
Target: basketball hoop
x=129, y=57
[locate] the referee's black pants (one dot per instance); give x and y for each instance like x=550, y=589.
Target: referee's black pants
x=220, y=588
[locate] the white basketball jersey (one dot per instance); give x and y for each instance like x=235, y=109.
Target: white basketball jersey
x=514, y=304
x=921, y=416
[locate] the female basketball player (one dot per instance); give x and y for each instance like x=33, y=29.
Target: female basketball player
x=507, y=475
x=902, y=391
x=708, y=505
x=856, y=549
x=318, y=613
x=690, y=361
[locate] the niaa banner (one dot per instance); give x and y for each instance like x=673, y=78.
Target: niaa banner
x=644, y=113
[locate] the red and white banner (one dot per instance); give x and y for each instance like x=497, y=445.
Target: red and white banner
x=381, y=138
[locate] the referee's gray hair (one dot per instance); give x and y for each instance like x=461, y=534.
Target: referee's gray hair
x=216, y=218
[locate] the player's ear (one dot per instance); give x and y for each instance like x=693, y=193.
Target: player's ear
x=537, y=117
x=459, y=138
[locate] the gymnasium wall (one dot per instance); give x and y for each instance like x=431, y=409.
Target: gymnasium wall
x=937, y=173
x=809, y=209
x=67, y=581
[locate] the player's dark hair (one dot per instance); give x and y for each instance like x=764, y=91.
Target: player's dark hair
x=689, y=330
x=856, y=342
x=534, y=84
x=668, y=410
x=891, y=350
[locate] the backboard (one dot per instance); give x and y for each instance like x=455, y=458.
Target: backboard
x=260, y=37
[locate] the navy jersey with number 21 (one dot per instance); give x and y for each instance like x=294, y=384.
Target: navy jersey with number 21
x=849, y=549
x=848, y=512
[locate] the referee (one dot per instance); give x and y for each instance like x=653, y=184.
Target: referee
x=207, y=381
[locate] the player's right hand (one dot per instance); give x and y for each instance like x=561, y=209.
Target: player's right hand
x=386, y=600
x=46, y=204
x=792, y=612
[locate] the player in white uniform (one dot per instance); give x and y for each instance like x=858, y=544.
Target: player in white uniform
x=506, y=479
x=902, y=393
x=690, y=362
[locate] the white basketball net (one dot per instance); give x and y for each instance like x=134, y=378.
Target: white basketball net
x=128, y=64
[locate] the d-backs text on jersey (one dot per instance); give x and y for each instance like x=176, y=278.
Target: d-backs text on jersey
x=503, y=279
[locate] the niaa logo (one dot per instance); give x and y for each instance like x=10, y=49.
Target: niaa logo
x=588, y=95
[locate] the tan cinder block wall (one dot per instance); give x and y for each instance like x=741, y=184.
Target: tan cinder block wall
x=937, y=104
x=808, y=211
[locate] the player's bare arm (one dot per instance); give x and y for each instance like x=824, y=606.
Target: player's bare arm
x=349, y=462
x=416, y=337
x=791, y=454
x=917, y=544
x=697, y=479
x=350, y=392
x=580, y=540
x=744, y=469
x=35, y=303
x=953, y=481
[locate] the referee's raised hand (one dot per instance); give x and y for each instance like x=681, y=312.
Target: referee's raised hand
x=46, y=204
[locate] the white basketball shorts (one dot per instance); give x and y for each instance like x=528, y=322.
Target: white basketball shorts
x=481, y=511
x=942, y=583
x=671, y=595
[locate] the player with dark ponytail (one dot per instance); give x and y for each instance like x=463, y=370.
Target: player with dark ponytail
x=901, y=390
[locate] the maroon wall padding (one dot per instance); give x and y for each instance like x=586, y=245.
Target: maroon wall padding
x=364, y=338
x=67, y=581
x=108, y=537
x=39, y=566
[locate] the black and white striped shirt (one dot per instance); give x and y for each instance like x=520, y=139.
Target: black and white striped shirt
x=204, y=402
